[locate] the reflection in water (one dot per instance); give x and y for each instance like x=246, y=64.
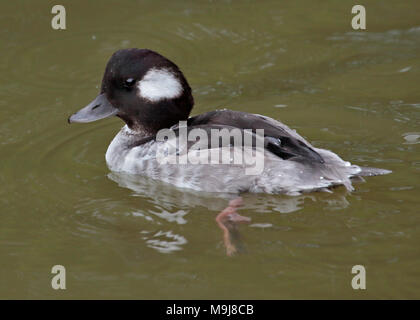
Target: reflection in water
x=165, y=241
x=163, y=195
x=177, y=216
x=166, y=196
x=412, y=138
x=167, y=201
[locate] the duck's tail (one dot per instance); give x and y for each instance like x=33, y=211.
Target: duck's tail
x=345, y=177
x=369, y=172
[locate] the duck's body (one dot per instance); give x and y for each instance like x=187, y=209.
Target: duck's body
x=150, y=94
x=136, y=153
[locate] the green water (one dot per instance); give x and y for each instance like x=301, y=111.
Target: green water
x=353, y=92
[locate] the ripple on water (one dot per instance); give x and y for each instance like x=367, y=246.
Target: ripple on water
x=411, y=137
x=166, y=241
x=407, y=36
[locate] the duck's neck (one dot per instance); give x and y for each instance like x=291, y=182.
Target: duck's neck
x=122, y=143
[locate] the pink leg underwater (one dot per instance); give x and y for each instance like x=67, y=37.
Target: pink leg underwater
x=227, y=220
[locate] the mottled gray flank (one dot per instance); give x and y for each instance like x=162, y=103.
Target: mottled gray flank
x=278, y=175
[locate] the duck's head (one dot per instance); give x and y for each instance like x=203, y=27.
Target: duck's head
x=144, y=89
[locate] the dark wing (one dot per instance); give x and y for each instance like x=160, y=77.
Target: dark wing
x=278, y=138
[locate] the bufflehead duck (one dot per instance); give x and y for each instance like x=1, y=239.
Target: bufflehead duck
x=150, y=93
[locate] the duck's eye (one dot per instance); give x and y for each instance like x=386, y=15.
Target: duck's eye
x=128, y=83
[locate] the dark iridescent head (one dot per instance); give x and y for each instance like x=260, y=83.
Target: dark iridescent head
x=143, y=88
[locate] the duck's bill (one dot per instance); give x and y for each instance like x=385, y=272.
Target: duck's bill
x=99, y=108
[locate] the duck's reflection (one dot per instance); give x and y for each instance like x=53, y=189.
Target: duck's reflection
x=166, y=241
x=172, y=204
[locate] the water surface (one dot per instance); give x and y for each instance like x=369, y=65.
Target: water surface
x=353, y=92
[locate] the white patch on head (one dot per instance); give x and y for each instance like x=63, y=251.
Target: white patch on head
x=159, y=84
